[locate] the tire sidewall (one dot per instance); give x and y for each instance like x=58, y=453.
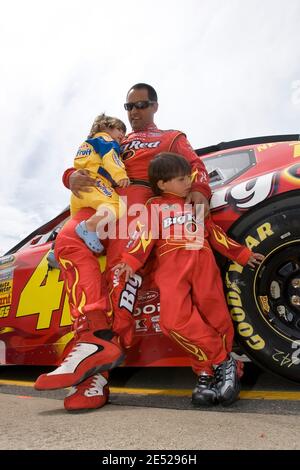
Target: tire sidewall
x=267, y=229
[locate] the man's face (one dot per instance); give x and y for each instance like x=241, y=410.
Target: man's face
x=140, y=119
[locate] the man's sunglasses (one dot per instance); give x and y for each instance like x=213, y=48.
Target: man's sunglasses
x=138, y=105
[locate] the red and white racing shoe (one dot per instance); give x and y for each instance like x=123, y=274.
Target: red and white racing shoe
x=94, y=351
x=90, y=394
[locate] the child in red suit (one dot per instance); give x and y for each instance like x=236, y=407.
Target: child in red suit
x=193, y=312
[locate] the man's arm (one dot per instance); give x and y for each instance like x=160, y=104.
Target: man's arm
x=200, y=176
x=200, y=193
x=77, y=181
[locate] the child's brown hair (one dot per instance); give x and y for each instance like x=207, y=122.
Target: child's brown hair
x=165, y=167
x=103, y=122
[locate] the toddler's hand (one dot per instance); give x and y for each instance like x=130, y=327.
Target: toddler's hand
x=124, y=183
x=255, y=259
x=123, y=268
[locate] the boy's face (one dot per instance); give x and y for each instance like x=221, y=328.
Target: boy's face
x=116, y=134
x=180, y=185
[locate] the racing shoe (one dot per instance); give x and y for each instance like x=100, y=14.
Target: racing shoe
x=205, y=392
x=94, y=351
x=227, y=381
x=90, y=394
x=52, y=261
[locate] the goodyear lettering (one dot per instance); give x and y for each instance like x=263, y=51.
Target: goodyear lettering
x=234, y=301
x=238, y=315
x=263, y=231
x=137, y=144
x=234, y=266
x=129, y=294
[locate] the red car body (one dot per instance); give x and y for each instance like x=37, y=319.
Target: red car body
x=248, y=177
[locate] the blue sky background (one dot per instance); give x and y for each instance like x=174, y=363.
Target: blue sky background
x=223, y=70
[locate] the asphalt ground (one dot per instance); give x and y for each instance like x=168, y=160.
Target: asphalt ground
x=150, y=408
x=168, y=388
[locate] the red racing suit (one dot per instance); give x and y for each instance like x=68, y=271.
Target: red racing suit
x=193, y=309
x=137, y=150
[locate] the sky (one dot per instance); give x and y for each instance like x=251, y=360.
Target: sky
x=223, y=70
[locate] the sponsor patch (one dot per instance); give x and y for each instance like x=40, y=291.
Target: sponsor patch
x=104, y=189
x=5, y=297
x=147, y=296
x=117, y=160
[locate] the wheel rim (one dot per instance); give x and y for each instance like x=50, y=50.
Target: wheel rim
x=277, y=290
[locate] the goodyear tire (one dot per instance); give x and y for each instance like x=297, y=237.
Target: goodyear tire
x=265, y=302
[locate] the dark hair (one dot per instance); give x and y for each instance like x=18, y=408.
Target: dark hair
x=152, y=95
x=166, y=166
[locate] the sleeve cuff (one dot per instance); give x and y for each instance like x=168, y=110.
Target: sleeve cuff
x=244, y=256
x=66, y=176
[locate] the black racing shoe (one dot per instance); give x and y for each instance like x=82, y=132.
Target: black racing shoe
x=205, y=392
x=227, y=382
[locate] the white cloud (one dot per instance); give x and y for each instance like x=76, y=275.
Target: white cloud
x=223, y=70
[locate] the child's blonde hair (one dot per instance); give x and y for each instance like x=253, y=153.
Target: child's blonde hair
x=103, y=122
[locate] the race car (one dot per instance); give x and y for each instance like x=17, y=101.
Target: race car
x=256, y=199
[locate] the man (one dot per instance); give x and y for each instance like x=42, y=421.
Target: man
x=100, y=340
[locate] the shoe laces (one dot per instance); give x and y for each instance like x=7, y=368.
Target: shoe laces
x=97, y=383
x=75, y=355
x=93, y=385
x=205, y=379
x=224, y=370
x=71, y=354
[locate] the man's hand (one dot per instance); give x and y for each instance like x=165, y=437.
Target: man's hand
x=194, y=197
x=80, y=181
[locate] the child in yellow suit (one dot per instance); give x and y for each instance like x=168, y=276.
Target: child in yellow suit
x=99, y=154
